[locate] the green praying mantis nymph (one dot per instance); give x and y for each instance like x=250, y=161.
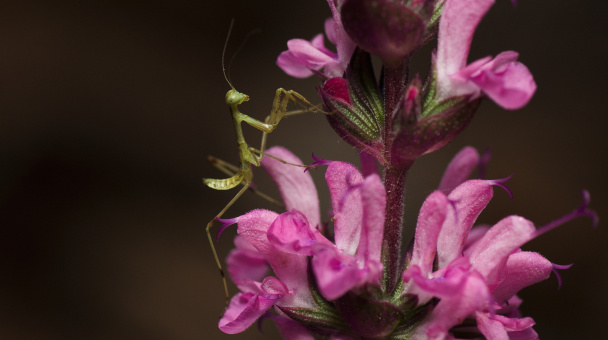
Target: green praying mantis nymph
x=248, y=156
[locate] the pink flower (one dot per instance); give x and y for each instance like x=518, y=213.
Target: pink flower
x=507, y=82
x=286, y=240
x=456, y=274
x=305, y=58
x=479, y=270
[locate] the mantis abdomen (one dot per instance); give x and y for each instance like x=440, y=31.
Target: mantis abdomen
x=225, y=184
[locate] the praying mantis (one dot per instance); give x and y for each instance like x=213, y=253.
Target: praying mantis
x=248, y=156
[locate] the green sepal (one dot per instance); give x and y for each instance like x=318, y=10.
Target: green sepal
x=363, y=117
x=413, y=316
x=363, y=88
x=315, y=317
x=354, y=119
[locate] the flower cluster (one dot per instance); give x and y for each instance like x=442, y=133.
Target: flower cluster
x=350, y=278
x=455, y=276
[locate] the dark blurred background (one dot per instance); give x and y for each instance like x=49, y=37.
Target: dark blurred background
x=109, y=110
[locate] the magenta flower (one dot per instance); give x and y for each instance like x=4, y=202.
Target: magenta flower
x=305, y=58
x=506, y=81
x=286, y=240
x=458, y=278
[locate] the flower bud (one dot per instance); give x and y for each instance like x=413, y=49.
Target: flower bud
x=387, y=29
x=355, y=104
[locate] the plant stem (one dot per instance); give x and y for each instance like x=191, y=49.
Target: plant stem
x=395, y=80
x=394, y=182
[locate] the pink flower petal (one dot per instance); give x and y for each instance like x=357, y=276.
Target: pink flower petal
x=296, y=187
x=305, y=50
x=245, y=308
x=459, y=169
x=336, y=274
x=344, y=44
x=373, y=198
x=522, y=269
x=491, y=329
x=245, y=262
x=491, y=252
x=291, y=233
x=514, y=324
x=447, y=285
x=508, y=83
x=293, y=65
x=430, y=220
x=317, y=42
x=451, y=311
x=475, y=235
x=243, y=311
x=348, y=211
x=468, y=200
x=457, y=25
x=289, y=268
x=503, y=328
x=290, y=329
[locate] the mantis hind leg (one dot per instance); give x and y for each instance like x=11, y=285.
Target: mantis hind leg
x=231, y=170
x=208, y=230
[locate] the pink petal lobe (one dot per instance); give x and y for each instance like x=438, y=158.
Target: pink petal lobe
x=507, y=82
x=490, y=254
x=342, y=179
x=291, y=269
x=430, y=220
x=459, y=169
x=243, y=311
x=447, y=285
x=468, y=201
x=297, y=188
x=245, y=262
x=373, y=198
x=336, y=274
x=330, y=30
x=291, y=330
x=293, y=65
x=344, y=44
x=491, y=329
x=451, y=311
x=305, y=50
x=457, y=25
x=475, y=235
x=522, y=269
x=291, y=233
x=505, y=328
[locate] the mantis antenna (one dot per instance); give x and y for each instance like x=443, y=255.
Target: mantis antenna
x=249, y=35
x=224, y=53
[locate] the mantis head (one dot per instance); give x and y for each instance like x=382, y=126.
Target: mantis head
x=234, y=97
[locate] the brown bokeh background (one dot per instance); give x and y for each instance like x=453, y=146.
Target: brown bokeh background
x=109, y=109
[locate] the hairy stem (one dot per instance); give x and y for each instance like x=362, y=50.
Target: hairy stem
x=394, y=81
x=394, y=181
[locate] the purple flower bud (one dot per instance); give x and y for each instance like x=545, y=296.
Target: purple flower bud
x=387, y=29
